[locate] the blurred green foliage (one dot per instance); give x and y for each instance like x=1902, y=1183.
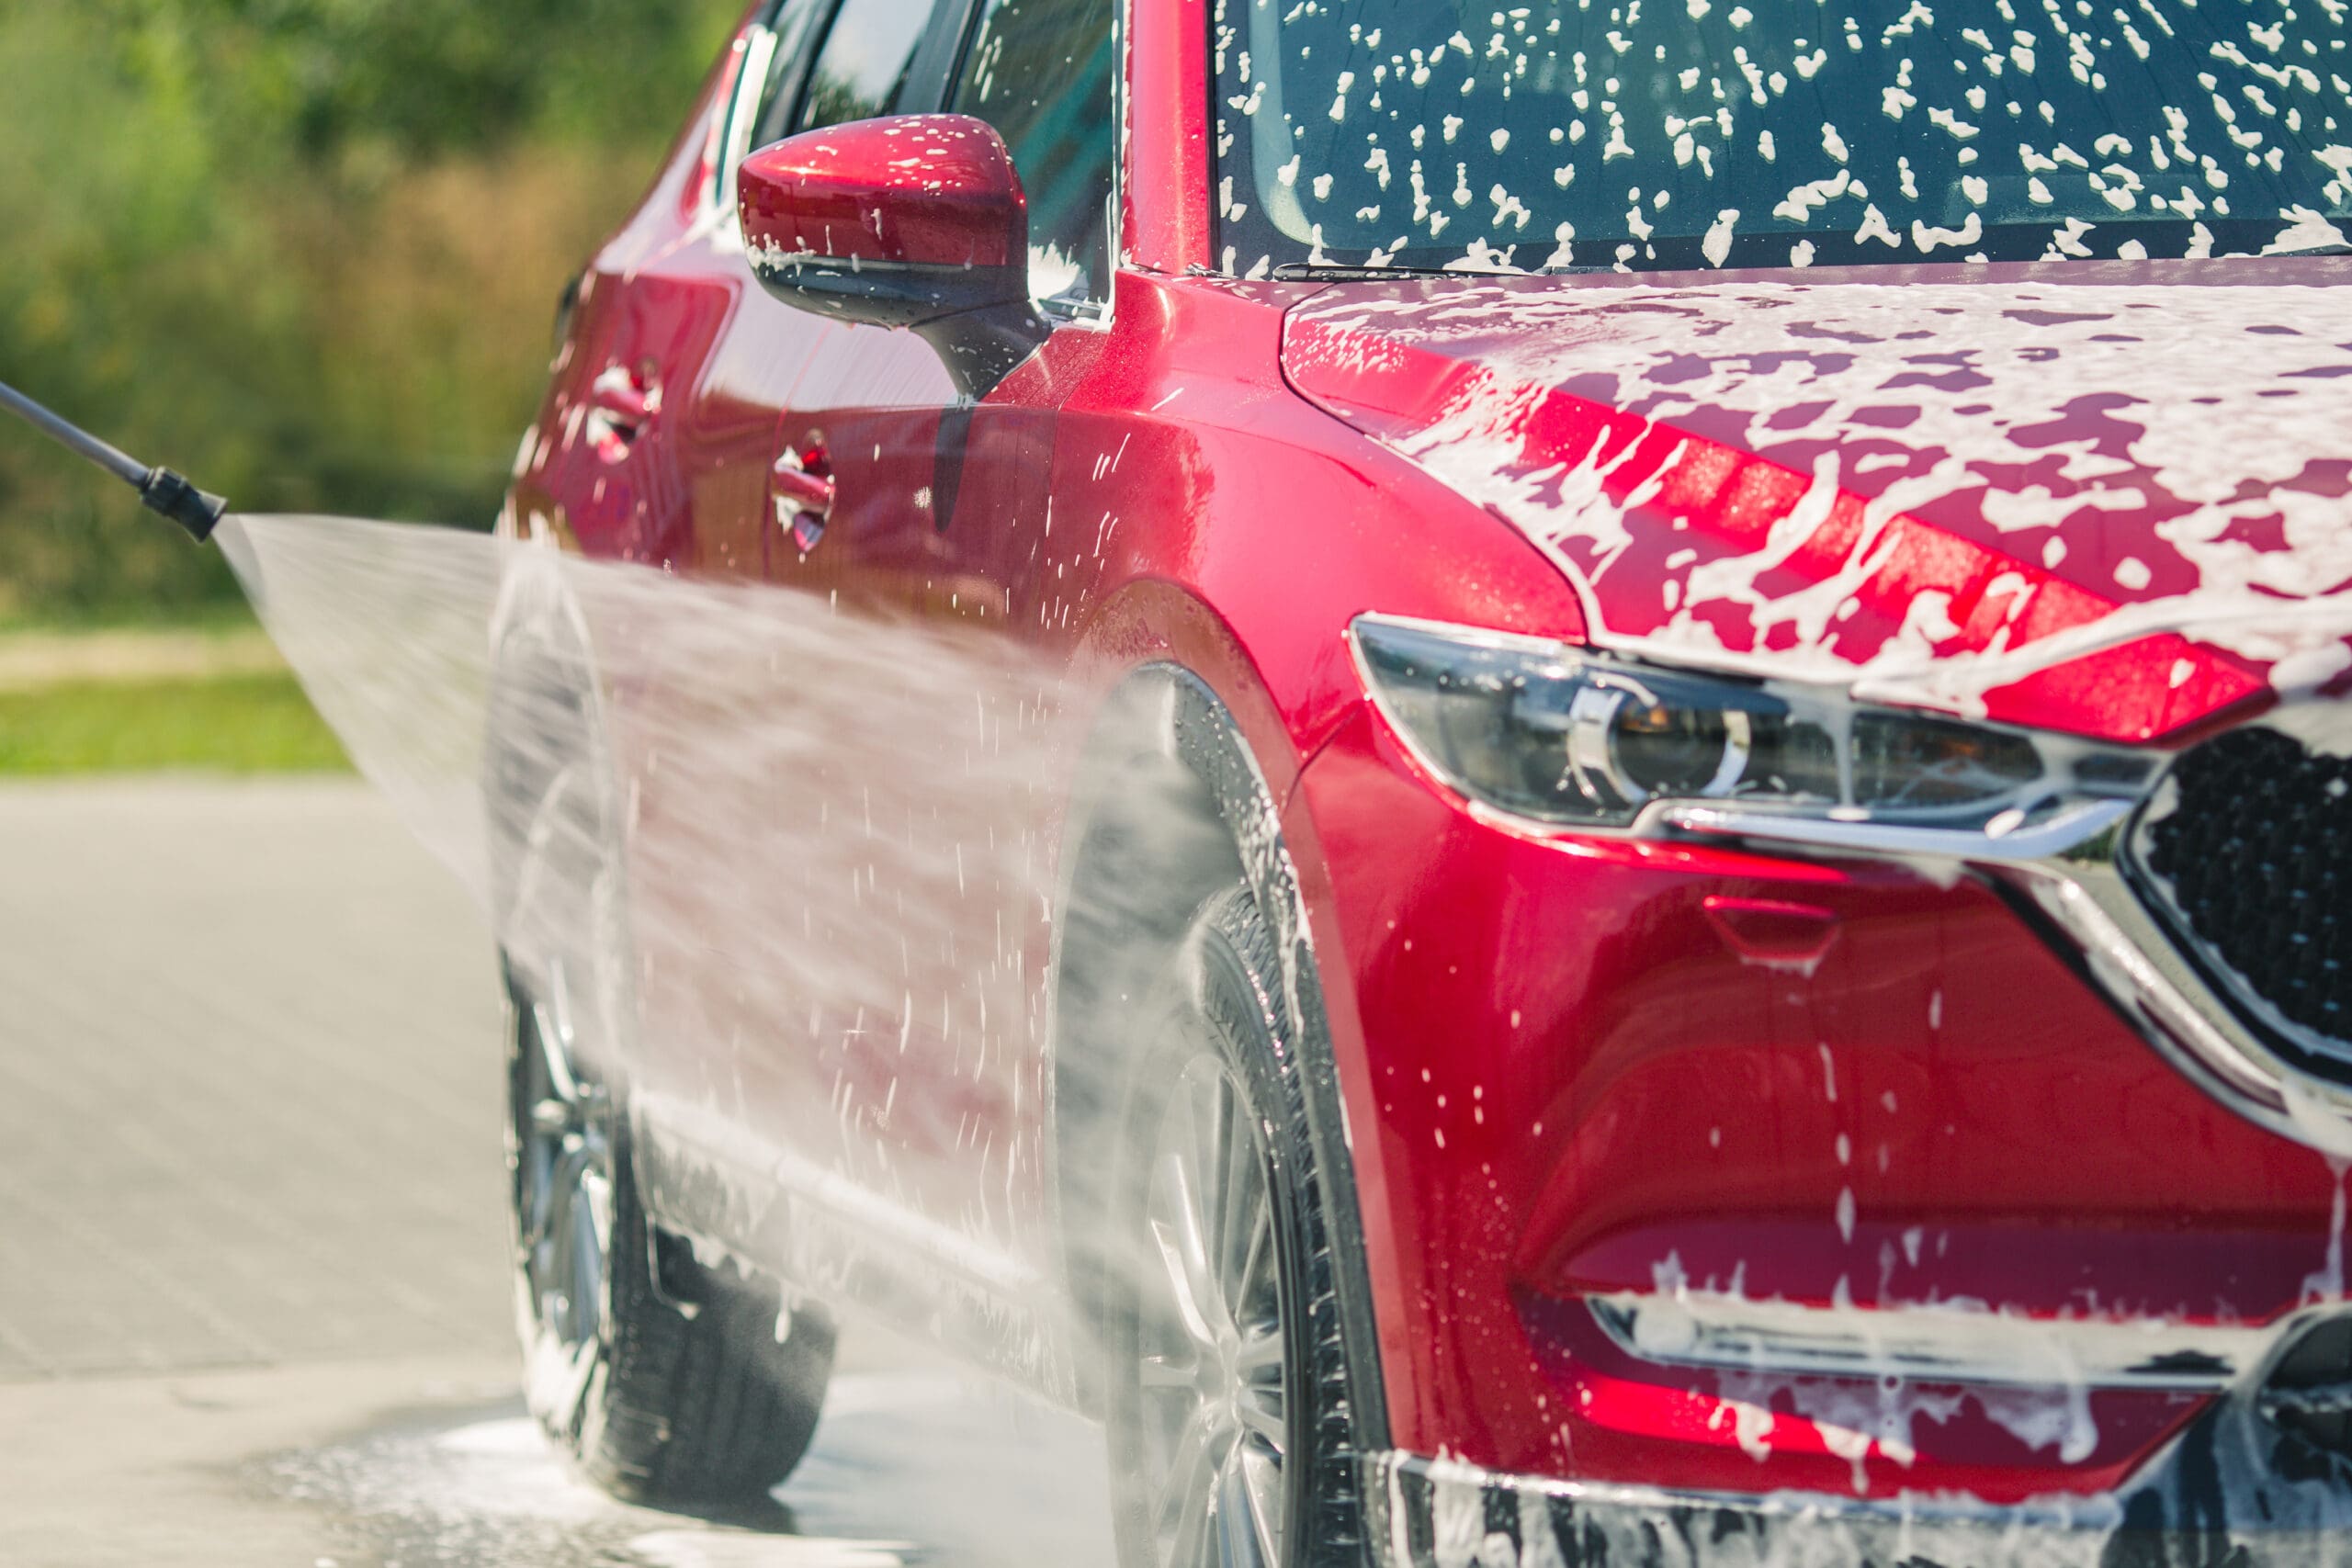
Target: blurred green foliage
x=237, y=724
x=305, y=251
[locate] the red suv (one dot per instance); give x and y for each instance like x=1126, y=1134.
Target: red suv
x=1698, y=902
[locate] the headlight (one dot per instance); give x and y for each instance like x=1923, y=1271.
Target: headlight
x=1544, y=731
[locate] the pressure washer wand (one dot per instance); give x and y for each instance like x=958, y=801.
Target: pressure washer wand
x=162, y=490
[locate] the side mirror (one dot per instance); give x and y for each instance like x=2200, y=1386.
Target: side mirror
x=909, y=220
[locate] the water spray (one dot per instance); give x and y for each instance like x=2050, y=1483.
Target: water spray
x=160, y=488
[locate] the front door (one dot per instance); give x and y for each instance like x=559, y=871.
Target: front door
x=926, y=1088
x=724, y=801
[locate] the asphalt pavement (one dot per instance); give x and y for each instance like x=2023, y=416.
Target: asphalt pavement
x=253, y=1298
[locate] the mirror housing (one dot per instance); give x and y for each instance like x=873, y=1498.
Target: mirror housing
x=909, y=220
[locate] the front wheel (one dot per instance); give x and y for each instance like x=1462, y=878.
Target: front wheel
x=1229, y=1415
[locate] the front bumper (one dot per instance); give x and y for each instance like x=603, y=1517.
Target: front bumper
x=2229, y=1492
x=1915, y=1210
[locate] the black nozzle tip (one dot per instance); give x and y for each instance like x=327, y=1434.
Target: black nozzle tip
x=191, y=508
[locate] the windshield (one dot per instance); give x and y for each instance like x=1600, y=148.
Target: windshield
x=1691, y=133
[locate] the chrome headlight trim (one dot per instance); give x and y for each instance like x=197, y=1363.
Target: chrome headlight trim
x=2031, y=838
x=1550, y=736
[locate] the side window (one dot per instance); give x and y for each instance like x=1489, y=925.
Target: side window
x=862, y=66
x=1042, y=73
x=795, y=28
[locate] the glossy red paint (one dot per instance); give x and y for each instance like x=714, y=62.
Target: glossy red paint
x=1572, y=1066
x=927, y=190
x=1165, y=192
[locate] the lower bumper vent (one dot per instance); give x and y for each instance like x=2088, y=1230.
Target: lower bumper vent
x=2308, y=1395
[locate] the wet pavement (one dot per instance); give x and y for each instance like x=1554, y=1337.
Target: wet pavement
x=253, y=1302
x=908, y=1467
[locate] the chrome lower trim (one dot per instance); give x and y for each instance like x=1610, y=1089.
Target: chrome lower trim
x=2134, y=959
x=1929, y=1344
x=2063, y=829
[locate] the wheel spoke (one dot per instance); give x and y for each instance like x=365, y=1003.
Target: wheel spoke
x=549, y=1029
x=565, y=1037
x=563, y=1376
x=1180, y=1276
x=568, y=1237
x=1261, y=1485
x=597, y=1185
x=1244, y=1539
x=1179, y=1229
x=551, y=1268
x=538, y=1192
x=1265, y=1424
x=1187, y=1548
x=1202, y=1117
x=1237, y=1224
x=1260, y=1349
x=1162, y=1373
x=1183, y=1503
x=583, y=1283
x=1255, y=1282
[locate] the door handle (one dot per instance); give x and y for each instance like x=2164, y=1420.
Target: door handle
x=620, y=406
x=803, y=486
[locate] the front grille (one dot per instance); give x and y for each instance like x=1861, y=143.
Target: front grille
x=2253, y=866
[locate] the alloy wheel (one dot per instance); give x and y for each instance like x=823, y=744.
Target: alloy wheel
x=563, y=1175
x=1214, y=1376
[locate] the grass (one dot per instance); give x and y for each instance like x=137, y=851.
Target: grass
x=226, y=618
x=234, y=724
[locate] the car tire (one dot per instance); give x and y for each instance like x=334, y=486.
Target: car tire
x=1273, y=1478
x=666, y=1382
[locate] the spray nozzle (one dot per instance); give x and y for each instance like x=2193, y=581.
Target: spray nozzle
x=193, y=510
x=162, y=490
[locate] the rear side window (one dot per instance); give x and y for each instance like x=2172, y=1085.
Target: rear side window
x=863, y=67
x=1042, y=73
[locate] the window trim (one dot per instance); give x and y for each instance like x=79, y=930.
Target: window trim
x=743, y=106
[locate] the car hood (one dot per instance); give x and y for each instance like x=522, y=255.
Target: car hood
x=2116, y=501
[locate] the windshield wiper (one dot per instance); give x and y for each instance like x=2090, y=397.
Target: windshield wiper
x=1293, y=272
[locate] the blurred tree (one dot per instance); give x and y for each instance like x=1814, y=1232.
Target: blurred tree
x=303, y=249
x=428, y=76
